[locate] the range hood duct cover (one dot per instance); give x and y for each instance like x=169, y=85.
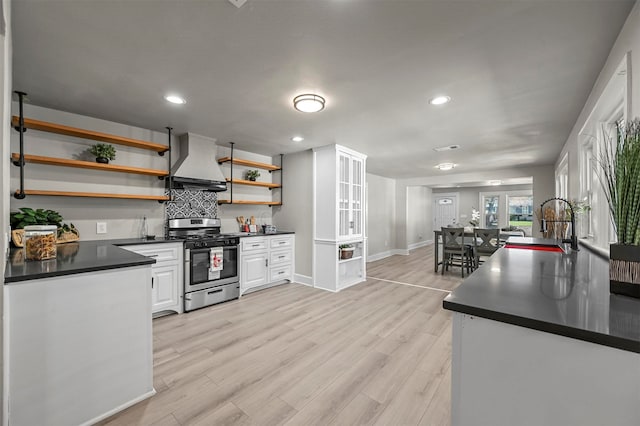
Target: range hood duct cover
x=197, y=167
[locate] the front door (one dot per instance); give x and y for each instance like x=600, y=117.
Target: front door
x=445, y=210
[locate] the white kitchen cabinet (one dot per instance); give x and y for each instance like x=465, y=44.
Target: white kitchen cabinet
x=167, y=287
x=254, y=270
x=266, y=260
x=339, y=200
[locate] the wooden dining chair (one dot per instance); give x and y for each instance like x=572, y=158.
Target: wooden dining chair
x=486, y=242
x=455, y=252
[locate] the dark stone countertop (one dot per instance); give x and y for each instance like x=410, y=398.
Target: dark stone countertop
x=561, y=293
x=76, y=258
x=257, y=234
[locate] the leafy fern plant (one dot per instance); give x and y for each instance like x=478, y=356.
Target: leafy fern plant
x=619, y=174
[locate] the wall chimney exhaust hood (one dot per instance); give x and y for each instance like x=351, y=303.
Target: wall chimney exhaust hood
x=197, y=167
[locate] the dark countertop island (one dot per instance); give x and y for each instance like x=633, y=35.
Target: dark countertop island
x=79, y=257
x=560, y=293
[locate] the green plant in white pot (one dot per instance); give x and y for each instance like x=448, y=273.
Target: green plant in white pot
x=619, y=165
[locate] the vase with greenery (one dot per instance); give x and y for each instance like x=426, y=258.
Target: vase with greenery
x=252, y=175
x=28, y=216
x=103, y=152
x=619, y=174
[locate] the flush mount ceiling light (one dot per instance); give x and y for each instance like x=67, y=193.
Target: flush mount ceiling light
x=308, y=103
x=440, y=100
x=297, y=138
x=174, y=99
x=495, y=182
x=445, y=166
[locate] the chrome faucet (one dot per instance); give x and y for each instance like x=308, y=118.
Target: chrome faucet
x=543, y=223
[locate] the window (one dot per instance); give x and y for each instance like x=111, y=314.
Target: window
x=562, y=177
x=520, y=209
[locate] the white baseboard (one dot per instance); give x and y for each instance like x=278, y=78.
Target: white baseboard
x=420, y=244
x=303, y=279
x=401, y=252
x=120, y=408
x=379, y=256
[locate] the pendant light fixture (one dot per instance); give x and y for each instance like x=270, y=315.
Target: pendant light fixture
x=308, y=103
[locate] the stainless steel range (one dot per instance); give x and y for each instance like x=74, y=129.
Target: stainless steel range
x=210, y=262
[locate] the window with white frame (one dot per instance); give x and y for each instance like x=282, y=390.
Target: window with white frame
x=562, y=177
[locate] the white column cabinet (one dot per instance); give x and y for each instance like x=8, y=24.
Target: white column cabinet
x=339, y=203
x=266, y=260
x=167, y=285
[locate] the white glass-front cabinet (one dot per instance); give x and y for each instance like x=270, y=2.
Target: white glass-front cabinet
x=339, y=191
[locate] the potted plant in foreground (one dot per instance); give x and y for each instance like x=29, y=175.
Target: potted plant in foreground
x=346, y=251
x=620, y=177
x=103, y=152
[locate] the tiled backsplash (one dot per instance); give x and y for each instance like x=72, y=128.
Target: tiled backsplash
x=189, y=203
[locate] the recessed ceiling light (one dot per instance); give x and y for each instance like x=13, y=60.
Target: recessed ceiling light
x=308, y=103
x=439, y=100
x=445, y=166
x=297, y=138
x=174, y=99
x=495, y=182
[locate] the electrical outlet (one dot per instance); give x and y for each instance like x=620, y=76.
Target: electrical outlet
x=101, y=227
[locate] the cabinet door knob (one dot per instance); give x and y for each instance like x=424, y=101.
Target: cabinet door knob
x=151, y=282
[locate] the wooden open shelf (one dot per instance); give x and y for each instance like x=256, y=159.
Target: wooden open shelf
x=249, y=163
x=248, y=202
x=95, y=195
x=88, y=165
x=254, y=183
x=45, y=126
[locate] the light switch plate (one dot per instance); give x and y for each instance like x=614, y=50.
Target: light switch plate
x=101, y=227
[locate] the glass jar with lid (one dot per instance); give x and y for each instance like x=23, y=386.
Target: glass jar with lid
x=40, y=242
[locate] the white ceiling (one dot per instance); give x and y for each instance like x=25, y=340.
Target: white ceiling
x=518, y=72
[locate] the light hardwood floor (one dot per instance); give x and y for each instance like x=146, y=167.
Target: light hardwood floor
x=376, y=353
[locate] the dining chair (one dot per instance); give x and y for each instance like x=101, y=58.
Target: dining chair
x=485, y=243
x=455, y=252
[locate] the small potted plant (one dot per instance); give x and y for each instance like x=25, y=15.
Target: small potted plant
x=103, y=152
x=619, y=175
x=252, y=175
x=346, y=251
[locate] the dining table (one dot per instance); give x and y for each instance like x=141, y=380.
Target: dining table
x=467, y=240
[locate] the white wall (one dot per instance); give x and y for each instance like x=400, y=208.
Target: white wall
x=296, y=214
x=543, y=188
x=381, y=219
x=228, y=212
x=419, y=216
x=469, y=197
x=628, y=41
x=123, y=217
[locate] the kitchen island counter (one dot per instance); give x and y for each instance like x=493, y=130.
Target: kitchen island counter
x=537, y=338
x=561, y=293
x=72, y=258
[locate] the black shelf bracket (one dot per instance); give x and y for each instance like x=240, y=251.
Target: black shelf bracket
x=168, y=177
x=20, y=163
x=231, y=174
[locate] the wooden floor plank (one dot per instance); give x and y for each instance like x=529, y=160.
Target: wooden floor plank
x=378, y=352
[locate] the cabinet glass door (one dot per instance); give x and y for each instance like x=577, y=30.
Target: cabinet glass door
x=356, y=198
x=344, y=194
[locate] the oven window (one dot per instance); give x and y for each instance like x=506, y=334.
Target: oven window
x=200, y=265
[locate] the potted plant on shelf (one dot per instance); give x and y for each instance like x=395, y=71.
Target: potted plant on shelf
x=103, y=152
x=346, y=251
x=619, y=167
x=252, y=175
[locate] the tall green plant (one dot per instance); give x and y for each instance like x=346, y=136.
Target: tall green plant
x=619, y=174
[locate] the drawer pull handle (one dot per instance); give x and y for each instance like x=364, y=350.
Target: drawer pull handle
x=255, y=245
x=214, y=291
x=153, y=255
x=281, y=257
